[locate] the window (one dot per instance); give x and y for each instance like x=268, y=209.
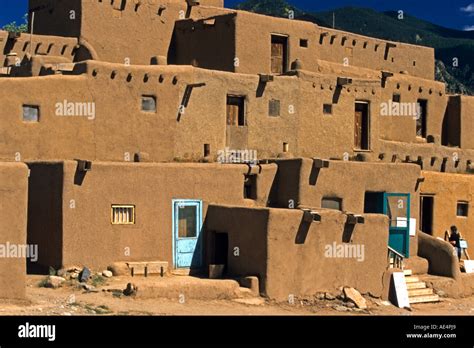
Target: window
x=148, y=103
x=187, y=221
x=462, y=209
x=327, y=109
x=236, y=111
x=304, y=43
x=396, y=98
x=30, y=113
x=123, y=215
x=274, y=107
x=331, y=203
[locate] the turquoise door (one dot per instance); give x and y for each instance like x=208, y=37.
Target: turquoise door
x=187, y=223
x=397, y=207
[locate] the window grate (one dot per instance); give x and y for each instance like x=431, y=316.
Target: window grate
x=123, y=215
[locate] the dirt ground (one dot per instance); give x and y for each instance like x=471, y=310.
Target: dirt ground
x=70, y=299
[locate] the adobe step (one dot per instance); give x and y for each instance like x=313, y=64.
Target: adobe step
x=424, y=299
x=411, y=279
x=420, y=292
x=416, y=285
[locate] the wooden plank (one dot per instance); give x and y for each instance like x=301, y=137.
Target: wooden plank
x=419, y=292
x=424, y=299
x=417, y=285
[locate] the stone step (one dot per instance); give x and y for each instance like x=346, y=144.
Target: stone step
x=407, y=272
x=424, y=299
x=411, y=279
x=420, y=292
x=416, y=285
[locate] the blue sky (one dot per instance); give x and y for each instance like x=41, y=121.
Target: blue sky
x=446, y=13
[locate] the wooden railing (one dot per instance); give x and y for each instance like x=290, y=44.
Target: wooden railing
x=394, y=258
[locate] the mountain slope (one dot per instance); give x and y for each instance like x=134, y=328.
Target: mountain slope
x=448, y=43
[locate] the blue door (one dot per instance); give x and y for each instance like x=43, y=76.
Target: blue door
x=397, y=207
x=187, y=223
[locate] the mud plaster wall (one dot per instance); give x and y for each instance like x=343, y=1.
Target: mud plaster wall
x=41, y=45
x=247, y=239
x=298, y=182
x=253, y=51
x=119, y=130
x=411, y=89
x=120, y=31
x=89, y=238
x=13, y=217
x=289, y=256
x=296, y=254
x=448, y=189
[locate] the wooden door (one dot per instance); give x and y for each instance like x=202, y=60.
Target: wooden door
x=277, y=57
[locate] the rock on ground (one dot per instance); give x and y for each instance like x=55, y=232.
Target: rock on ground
x=354, y=296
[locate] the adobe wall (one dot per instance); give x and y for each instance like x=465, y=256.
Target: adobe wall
x=300, y=184
x=247, y=231
x=448, y=189
x=25, y=45
x=120, y=31
x=117, y=131
x=289, y=256
x=13, y=217
x=89, y=238
x=254, y=51
x=297, y=264
x=411, y=89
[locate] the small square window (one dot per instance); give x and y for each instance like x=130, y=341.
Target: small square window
x=462, y=209
x=304, y=43
x=327, y=109
x=396, y=98
x=123, y=215
x=331, y=203
x=148, y=103
x=30, y=113
x=274, y=108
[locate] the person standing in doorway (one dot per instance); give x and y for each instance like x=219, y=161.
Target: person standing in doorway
x=454, y=240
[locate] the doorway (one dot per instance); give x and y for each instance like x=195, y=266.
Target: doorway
x=426, y=214
x=220, y=249
x=279, y=54
x=361, y=126
x=187, y=223
x=422, y=118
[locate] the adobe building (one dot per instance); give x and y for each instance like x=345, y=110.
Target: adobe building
x=133, y=116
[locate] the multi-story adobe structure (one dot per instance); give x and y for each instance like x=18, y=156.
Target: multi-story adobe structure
x=124, y=112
